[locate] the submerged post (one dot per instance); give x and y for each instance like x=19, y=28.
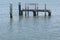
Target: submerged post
x=34, y=13
x=20, y=9
x=37, y=9
x=49, y=13
x=25, y=9
x=10, y=10
x=28, y=10
x=45, y=9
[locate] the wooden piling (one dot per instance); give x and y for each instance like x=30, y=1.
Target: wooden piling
x=20, y=9
x=34, y=13
x=37, y=9
x=25, y=9
x=45, y=9
x=49, y=13
x=28, y=11
x=10, y=10
x=21, y=12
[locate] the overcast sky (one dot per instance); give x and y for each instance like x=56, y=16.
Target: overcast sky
x=54, y=5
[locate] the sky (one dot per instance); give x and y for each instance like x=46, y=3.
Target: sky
x=53, y=5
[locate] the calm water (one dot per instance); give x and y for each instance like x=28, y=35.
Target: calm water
x=29, y=28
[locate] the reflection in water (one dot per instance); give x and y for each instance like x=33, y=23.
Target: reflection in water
x=31, y=28
x=47, y=17
x=11, y=20
x=35, y=21
x=41, y=20
x=20, y=18
x=11, y=25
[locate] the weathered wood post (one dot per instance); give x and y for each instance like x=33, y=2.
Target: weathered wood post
x=34, y=13
x=20, y=9
x=37, y=9
x=28, y=10
x=25, y=9
x=45, y=9
x=49, y=13
x=21, y=12
x=10, y=10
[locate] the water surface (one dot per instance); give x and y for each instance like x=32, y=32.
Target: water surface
x=29, y=28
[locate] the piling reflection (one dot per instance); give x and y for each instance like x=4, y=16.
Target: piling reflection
x=11, y=20
x=11, y=24
x=47, y=17
x=20, y=18
x=35, y=21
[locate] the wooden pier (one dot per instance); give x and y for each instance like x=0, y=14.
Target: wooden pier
x=35, y=11
x=27, y=9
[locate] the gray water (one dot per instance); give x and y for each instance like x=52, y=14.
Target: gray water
x=29, y=28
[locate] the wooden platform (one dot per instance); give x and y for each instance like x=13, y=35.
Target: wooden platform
x=39, y=10
x=34, y=11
